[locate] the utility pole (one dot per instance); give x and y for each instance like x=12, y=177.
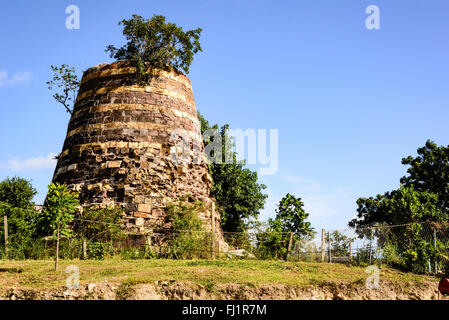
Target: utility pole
x=323, y=243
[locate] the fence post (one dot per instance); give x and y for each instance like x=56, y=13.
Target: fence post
x=435, y=247
x=5, y=225
x=289, y=245
x=329, y=244
x=212, y=228
x=148, y=248
x=350, y=251
x=323, y=243
x=84, y=249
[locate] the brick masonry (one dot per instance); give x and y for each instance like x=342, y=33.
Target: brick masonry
x=117, y=148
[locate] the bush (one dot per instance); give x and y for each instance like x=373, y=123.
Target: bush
x=100, y=225
x=361, y=257
x=71, y=248
x=98, y=250
x=36, y=249
x=391, y=256
x=272, y=243
x=137, y=253
x=188, y=238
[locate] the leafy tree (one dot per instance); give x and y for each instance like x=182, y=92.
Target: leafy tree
x=406, y=208
x=17, y=192
x=293, y=217
x=290, y=218
x=238, y=193
x=16, y=195
x=422, y=196
x=405, y=205
x=429, y=172
x=66, y=80
x=156, y=44
x=58, y=213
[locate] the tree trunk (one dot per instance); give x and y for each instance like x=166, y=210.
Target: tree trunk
x=57, y=250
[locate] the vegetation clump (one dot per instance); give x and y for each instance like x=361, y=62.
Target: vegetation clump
x=156, y=44
x=236, y=188
x=188, y=237
x=67, y=82
x=59, y=212
x=289, y=226
x=422, y=197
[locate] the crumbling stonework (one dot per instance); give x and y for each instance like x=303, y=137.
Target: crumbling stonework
x=119, y=149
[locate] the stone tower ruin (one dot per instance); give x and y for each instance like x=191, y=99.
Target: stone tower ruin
x=119, y=146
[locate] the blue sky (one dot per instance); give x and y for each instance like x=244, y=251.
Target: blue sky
x=348, y=102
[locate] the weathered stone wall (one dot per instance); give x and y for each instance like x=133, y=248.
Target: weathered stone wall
x=118, y=145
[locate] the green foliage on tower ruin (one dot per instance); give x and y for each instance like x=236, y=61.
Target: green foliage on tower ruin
x=156, y=44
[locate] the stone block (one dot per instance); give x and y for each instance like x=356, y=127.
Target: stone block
x=108, y=187
x=96, y=186
x=140, y=222
x=157, y=212
x=114, y=164
x=138, y=214
x=72, y=167
x=143, y=207
x=131, y=207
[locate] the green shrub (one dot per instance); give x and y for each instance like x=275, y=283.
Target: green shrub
x=272, y=244
x=98, y=250
x=99, y=225
x=361, y=257
x=391, y=256
x=36, y=249
x=71, y=248
x=137, y=253
x=188, y=238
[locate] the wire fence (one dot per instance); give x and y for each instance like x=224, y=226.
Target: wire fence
x=418, y=247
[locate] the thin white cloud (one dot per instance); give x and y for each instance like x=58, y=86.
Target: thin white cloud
x=304, y=184
x=319, y=200
x=327, y=205
x=30, y=164
x=18, y=78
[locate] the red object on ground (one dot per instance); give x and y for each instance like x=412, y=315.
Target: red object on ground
x=444, y=286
